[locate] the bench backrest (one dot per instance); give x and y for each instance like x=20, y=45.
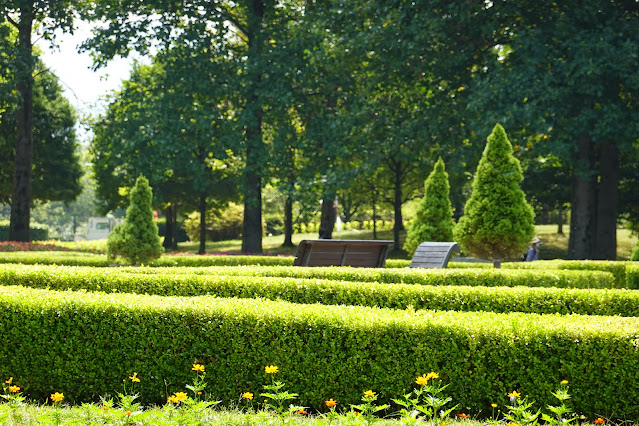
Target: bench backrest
x=433, y=255
x=358, y=253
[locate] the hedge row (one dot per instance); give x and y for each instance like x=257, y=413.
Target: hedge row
x=99, y=260
x=329, y=292
x=85, y=344
x=467, y=277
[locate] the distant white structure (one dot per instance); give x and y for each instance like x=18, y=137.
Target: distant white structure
x=100, y=227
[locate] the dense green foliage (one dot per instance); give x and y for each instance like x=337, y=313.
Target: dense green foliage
x=459, y=292
x=497, y=221
x=104, y=337
x=37, y=231
x=434, y=221
x=136, y=239
x=635, y=252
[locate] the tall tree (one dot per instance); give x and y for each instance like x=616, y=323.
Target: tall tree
x=56, y=169
x=247, y=32
x=48, y=15
x=569, y=72
x=497, y=220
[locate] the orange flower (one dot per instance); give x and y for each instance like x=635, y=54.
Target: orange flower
x=599, y=421
x=127, y=414
x=301, y=412
x=104, y=407
x=463, y=416
x=14, y=389
x=331, y=403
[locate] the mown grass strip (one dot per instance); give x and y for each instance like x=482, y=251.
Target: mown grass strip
x=83, y=344
x=223, y=282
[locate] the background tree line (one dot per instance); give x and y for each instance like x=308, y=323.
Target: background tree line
x=355, y=101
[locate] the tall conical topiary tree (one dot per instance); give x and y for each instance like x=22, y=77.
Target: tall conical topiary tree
x=434, y=221
x=497, y=220
x=136, y=239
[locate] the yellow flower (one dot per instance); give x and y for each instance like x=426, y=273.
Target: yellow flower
x=302, y=411
x=14, y=389
x=422, y=380
x=57, y=397
x=104, y=407
x=247, y=395
x=198, y=367
x=369, y=394
x=512, y=424
x=180, y=396
x=514, y=394
x=134, y=378
x=493, y=405
x=173, y=400
x=432, y=375
x=564, y=382
x=331, y=403
x=127, y=414
x=271, y=369
x=9, y=381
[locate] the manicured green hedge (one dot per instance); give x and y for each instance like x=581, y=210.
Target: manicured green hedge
x=98, y=260
x=37, y=231
x=85, y=344
x=632, y=275
x=469, y=277
x=617, y=268
x=221, y=282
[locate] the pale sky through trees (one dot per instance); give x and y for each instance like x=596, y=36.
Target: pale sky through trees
x=83, y=87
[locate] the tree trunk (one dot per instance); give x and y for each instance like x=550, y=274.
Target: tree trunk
x=397, y=207
x=605, y=247
x=252, y=225
x=21, y=196
x=202, y=248
x=174, y=230
x=327, y=220
x=582, y=221
x=496, y=259
x=374, y=213
x=168, y=228
x=560, y=219
x=288, y=222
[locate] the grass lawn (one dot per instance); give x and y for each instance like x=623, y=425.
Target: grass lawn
x=554, y=245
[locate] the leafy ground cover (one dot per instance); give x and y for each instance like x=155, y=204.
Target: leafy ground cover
x=426, y=404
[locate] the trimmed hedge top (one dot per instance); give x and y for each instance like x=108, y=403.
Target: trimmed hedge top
x=230, y=282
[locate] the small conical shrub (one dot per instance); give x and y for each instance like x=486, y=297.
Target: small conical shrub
x=434, y=216
x=498, y=222
x=136, y=239
x=635, y=252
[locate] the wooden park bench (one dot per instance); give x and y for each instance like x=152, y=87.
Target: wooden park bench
x=433, y=255
x=358, y=253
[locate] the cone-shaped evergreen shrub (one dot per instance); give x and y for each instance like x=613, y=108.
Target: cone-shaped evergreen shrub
x=635, y=252
x=136, y=239
x=434, y=215
x=497, y=220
